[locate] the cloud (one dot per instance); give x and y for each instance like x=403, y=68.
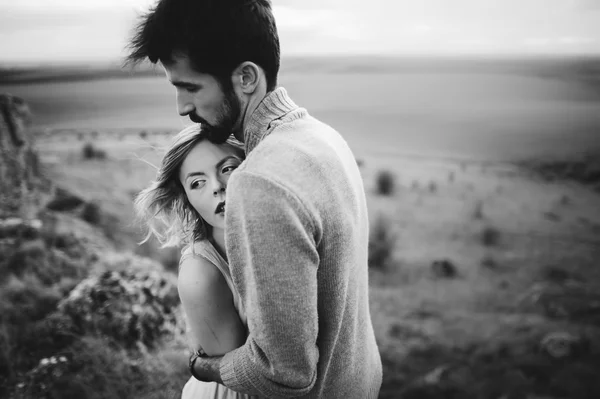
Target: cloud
x=575, y=40
x=316, y=30
x=64, y=35
x=586, y=4
x=422, y=28
x=289, y=18
x=99, y=29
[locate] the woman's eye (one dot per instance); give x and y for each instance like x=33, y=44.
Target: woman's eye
x=197, y=184
x=229, y=169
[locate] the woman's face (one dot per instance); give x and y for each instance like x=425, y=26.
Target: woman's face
x=204, y=174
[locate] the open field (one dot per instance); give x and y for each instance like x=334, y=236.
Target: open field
x=478, y=259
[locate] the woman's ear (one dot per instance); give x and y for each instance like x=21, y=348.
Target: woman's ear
x=246, y=77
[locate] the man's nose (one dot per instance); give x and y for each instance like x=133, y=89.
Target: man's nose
x=184, y=105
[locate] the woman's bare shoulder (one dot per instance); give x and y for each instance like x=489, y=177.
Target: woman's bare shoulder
x=198, y=277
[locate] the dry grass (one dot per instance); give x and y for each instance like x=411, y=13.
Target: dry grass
x=476, y=325
x=476, y=333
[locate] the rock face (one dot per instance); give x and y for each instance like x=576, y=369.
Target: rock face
x=18, y=161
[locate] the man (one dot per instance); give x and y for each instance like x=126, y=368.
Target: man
x=296, y=217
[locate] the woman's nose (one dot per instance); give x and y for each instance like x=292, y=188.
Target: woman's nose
x=219, y=188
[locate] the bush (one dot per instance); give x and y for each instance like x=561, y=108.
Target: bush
x=64, y=201
x=91, y=213
x=490, y=236
x=23, y=302
x=444, y=268
x=478, y=211
x=381, y=243
x=126, y=306
x=91, y=368
x=432, y=187
x=385, y=183
x=48, y=264
x=89, y=152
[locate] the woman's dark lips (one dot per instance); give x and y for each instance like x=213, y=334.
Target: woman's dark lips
x=221, y=207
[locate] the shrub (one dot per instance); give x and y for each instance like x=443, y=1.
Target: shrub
x=48, y=264
x=451, y=176
x=91, y=213
x=490, y=236
x=478, y=211
x=489, y=262
x=385, y=183
x=64, y=201
x=552, y=216
x=100, y=154
x=381, y=243
x=432, y=187
x=23, y=302
x=92, y=368
x=128, y=307
x=90, y=152
x=444, y=268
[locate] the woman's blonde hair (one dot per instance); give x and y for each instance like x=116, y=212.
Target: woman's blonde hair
x=163, y=206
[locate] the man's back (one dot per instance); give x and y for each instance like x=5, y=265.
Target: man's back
x=298, y=254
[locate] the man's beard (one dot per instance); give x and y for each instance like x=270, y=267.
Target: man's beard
x=227, y=116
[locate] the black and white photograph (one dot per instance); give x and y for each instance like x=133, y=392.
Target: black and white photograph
x=248, y=199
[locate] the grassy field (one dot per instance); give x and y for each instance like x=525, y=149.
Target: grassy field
x=476, y=258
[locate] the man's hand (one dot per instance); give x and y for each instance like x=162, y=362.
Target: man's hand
x=206, y=368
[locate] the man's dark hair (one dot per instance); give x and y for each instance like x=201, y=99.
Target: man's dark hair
x=216, y=36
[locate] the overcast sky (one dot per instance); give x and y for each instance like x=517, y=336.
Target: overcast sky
x=97, y=30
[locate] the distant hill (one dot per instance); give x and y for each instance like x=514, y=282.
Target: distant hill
x=587, y=68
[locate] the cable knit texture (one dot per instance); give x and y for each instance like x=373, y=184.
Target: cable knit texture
x=297, y=237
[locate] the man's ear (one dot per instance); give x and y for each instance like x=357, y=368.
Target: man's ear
x=246, y=77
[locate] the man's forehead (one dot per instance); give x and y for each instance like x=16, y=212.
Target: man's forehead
x=180, y=70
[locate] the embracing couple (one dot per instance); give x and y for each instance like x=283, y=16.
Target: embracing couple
x=269, y=205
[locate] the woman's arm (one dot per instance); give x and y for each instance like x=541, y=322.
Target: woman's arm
x=208, y=304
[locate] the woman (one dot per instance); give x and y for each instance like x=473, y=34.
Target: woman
x=185, y=206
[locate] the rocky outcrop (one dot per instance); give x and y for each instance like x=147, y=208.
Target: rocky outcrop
x=18, y=161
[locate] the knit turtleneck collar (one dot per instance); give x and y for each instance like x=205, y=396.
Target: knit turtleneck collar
x=275, y=105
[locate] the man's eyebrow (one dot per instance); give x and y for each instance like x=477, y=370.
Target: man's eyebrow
x=180, y=83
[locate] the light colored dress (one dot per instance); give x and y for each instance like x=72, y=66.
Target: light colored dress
x=195, y=389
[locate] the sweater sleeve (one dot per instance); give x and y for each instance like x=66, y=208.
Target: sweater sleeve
x=272, y=247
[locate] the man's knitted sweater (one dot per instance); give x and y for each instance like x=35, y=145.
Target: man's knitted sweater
x=296, y=239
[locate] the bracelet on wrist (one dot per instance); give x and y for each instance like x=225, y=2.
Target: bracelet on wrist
x=195, y=355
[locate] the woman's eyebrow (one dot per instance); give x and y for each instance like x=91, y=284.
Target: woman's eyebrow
x=217, y=166
x=193, y=174
x=224, y=160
